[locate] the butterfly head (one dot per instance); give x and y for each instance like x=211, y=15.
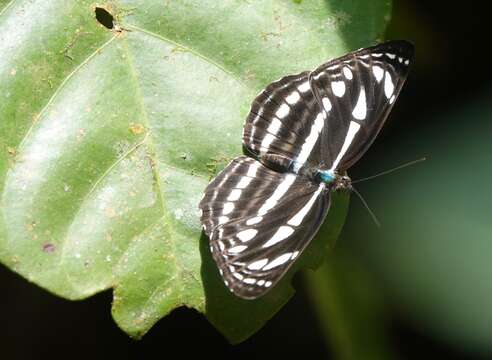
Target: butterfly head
x=339, y=182
x=343, y=182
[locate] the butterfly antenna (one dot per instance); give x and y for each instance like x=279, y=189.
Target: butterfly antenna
x=376, y=221
x=390, y=170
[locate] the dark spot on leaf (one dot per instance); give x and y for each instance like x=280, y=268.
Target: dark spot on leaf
x=297, y=1
x=12, y=151
x=136, y=128
x=104, y=17
x=48, y=248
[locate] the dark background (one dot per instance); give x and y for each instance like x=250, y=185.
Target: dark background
x=451, y=67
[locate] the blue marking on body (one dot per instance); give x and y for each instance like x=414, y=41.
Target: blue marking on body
x=326, y=176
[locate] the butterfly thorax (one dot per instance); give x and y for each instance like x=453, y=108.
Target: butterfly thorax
x=330, y=177
x=335, y=180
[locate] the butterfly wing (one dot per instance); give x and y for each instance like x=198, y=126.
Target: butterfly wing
x=357, y=92
x=280, y=120
x=258, y=221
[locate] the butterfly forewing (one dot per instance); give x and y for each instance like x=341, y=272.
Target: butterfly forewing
x=281, y=119
x=259, y=221
x=357, y=92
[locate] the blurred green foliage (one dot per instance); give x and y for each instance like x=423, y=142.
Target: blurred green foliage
x=434, y=251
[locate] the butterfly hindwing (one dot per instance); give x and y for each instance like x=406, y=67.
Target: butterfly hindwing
x=258, y=221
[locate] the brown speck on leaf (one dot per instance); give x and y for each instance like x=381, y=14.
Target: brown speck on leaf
x=137, y=128
x=179, y=49
x=31, y=226
x=81, y=134
x=110, y=212
x=249, y=76
x=265, y=36
x=48, y=248
x=12, y=151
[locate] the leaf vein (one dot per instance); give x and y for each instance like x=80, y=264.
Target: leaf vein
x=190, y=50
x=58, y=90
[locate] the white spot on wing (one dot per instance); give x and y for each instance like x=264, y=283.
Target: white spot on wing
x=297, y=218
x=238, y=276
x=274, y=126
x=406, y=62
x=326, y=104
x=304, y=87
x=282, y=259
x=237, y=249
x=250, y=281
x=338, y=88
x=282, y=111
x=234, y=195
x=378, y=72
x=267, y=140
x=282, y=233
x=310, y=141
x=223, y=219
x=227, y=209
x=347, y=73
x=254, y=220
x=253, y=168
x=277, y=194
x=389, y=87
x=353, y=129
x=293, y=98
x=360, y=110
x=247, y=235
x=294, y=254
x=268, y=284
x=261, y=282
x=257, y=265
x=391, y=56
x=244, y=182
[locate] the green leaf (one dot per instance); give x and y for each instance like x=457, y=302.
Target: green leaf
x=109, y=135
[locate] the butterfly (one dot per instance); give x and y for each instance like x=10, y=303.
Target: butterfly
x=301, y=135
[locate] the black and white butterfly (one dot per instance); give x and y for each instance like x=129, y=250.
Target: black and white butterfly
x=303, y=132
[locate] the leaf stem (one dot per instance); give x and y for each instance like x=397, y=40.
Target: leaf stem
x=349, y=309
